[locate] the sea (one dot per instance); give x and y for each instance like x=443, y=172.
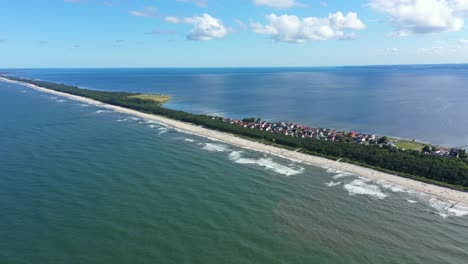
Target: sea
x=82, y=184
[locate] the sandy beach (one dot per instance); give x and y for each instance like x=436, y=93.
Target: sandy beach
x=433, y=190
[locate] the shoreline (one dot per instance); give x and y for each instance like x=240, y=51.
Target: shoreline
x=430, y=189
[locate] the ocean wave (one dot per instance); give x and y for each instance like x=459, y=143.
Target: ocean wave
x=215, y=147
x=162, y=130
x=337, y=173
x=362, y=187
x=411, y=201
x=391, y=187
x=446, y=209
x=189, y=140
x=84, y=105
x=267, y=163
x=122, y=120
x=103, y=111
x=60, y=100
x=332, y=184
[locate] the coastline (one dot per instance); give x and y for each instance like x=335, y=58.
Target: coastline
x=433, y=190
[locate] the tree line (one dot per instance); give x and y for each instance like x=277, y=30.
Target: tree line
x=444, y=171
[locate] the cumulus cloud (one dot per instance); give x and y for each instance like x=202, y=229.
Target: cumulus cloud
x=460, y=7
x=205, y=27
x=423, y=16
x=281, y=4
x=289, y=28
x=150, y=11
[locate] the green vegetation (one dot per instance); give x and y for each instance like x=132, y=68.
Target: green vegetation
x=450, y=172
x=102, y=96
x=152, y=97
x=409, y=145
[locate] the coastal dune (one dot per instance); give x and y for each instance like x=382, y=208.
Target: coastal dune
x=433, y=190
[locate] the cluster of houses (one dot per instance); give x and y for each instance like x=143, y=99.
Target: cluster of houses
x=301, y=131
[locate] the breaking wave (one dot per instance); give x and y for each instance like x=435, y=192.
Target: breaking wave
x=162, y=130
x=332, y=184
x=103, y=111
x=446, y=209
x=391, y=187
x=362, y=187
x=337, y=173
x=267, y=163
x=215, y=147
x=189, y=140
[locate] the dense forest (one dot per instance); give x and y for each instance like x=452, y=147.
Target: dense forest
x=451, y=172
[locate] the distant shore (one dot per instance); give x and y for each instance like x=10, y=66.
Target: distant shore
x=430, y=189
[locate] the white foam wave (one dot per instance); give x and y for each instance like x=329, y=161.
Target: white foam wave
x=152, y=126
x=361, y=187
x=332, y=184
x=342, y=174
x=162, y=130
x=84, y=105
x=446, y=209
x=122, y=120
x=411, y=201
x=267, y=163
x=103, y=111
x=338, y=173
x=134, y=118
x=189, y=140
x=215, y=147
x=391, y=187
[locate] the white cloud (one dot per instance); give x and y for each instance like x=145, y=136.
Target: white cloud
x=463, y=41
x=206, y=27
x=200, y=3
x=460, y=7
x=423, y=16
x=173, y=19
x=286, y=28
x=392, y=51
x=281, y=4
x=147, y=12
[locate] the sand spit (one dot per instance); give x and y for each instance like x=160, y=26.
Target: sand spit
x=434, y=190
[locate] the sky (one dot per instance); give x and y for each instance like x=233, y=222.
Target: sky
x=231, y=33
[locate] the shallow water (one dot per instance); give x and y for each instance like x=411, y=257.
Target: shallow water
x=81, y=185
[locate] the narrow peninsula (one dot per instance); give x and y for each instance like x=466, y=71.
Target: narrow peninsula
x=444, y=176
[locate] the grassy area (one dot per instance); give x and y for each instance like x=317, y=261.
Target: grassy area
x=409, y=145
x=152, y=97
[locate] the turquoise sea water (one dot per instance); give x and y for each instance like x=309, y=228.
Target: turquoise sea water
x=80, y=184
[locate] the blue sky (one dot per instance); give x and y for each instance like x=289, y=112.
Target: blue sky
x=234, y=33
